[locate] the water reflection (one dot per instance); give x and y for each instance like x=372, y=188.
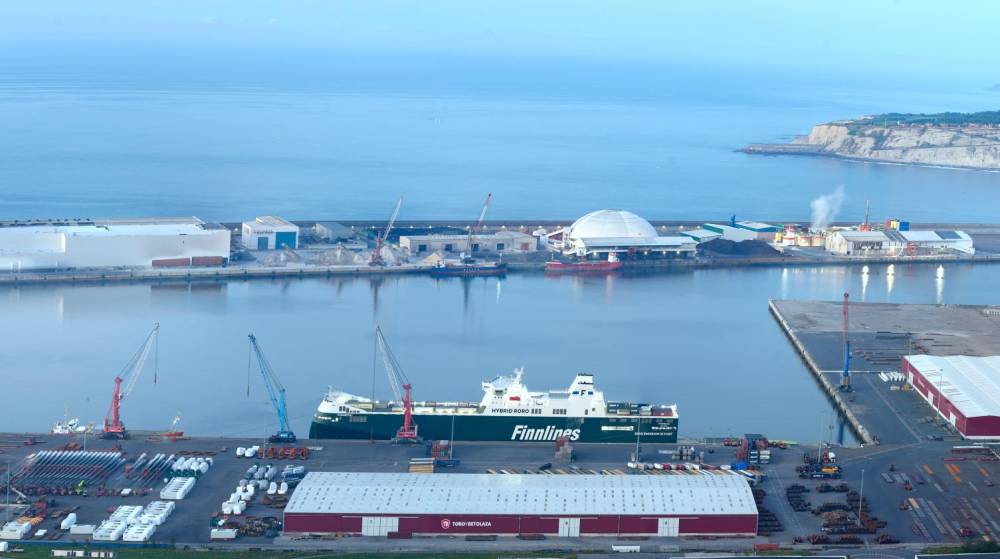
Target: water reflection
x=691, y=337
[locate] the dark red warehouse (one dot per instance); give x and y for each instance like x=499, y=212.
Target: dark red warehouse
x=380, y=504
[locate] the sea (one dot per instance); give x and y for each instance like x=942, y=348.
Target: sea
x=336, y=138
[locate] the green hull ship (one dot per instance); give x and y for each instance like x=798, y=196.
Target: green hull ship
x=507, y=412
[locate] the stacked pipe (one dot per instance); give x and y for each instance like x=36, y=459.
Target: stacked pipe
x=58, y=466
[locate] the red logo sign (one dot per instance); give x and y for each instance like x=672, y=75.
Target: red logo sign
x=445, y=523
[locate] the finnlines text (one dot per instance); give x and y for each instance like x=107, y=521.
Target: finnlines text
x=550, y=433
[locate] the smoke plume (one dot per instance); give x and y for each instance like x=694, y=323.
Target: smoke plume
x=825, y=208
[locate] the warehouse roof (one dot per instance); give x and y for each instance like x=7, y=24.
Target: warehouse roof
x=863, y=236
x=638, y=241
x=933, y=236
x=395, y=493
x=271, y=221
x=111, y=227
x=701, y=234
x=972, y=384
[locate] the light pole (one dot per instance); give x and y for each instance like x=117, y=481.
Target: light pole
x=861, y=495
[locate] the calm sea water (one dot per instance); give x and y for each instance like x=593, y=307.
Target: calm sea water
x=91, y=135
x=703, y=339
x=343, y=138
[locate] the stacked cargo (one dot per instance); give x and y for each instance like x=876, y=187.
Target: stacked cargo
x=128, y=514
x=564, y=450
x=16, y=530
x=222, y=534
x=68, y=522
x=109, y=531
x=189, y=467
x=156, y=512
x=754, y=449
x=81, y=529
x=177, y=488
x=421, y=465
x=139, y=532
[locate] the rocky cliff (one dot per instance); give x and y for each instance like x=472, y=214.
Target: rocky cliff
x=973, y=146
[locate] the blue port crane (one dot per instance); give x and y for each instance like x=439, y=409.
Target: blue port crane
x=275, y=391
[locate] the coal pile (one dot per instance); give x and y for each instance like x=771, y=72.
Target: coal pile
x=733, y=248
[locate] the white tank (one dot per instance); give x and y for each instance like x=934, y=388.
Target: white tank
x=240, y=451
x=272, y=488
x=203, y=467
x=283, y=488
x=227, y=508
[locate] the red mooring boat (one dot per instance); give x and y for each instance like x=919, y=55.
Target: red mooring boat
x=584, y=266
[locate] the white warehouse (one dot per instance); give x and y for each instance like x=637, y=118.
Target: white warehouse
x=54, y=244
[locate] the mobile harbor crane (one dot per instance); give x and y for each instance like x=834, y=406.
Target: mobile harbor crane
x=275, y=392
x=400, y=386
x=380, y=241
x=114, y=428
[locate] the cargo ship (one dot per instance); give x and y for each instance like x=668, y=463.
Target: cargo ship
x=468, y=268
x=508, y=411
x=583, y=266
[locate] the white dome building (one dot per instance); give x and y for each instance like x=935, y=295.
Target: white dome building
x=611, y=224
x=617, y=235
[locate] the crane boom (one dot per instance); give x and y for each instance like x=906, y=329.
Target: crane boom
x=475, y=229
x=275, y=392
x=377, y=259
x=130, y=373
x=407, y=432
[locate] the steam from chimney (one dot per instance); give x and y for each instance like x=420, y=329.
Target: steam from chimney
x=825, y=208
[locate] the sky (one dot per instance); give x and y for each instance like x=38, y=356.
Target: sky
x=910, y=38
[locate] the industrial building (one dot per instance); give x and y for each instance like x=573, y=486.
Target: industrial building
x=499, y=242
x=68, y=244
x=892, y=242
x=269, y=233
x=599, y=234
x=332, y=231
x=763, y=231
x=731, y=232
x=702, y=235
x=383, y=504
x=964, y=390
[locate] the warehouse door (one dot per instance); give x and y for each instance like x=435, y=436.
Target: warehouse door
x=379, y=525
x=261, y=243
x=569, y=527
x=668, y=527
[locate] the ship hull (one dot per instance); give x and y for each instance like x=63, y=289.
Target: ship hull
x=383, y=426
x=582, y=267
x=468, y=270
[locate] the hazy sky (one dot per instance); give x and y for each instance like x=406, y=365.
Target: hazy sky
x=946, y=39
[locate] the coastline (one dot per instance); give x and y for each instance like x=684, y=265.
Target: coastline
x=228, y=273
x=807, y=150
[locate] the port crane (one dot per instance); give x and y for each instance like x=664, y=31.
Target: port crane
x=845, y=377
x=130, y=373
x=275, y=392
x=400, y=385
x=377, y=259
x=475, y=229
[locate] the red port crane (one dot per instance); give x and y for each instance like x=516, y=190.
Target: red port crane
x=400, y=385
x=113, y=426
x=475, y=229
x=377, y=259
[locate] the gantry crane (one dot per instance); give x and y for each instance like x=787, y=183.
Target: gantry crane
x=377, y=259
x=400, y=385
x=275, y=392
x=113, y=426
x=475, y=229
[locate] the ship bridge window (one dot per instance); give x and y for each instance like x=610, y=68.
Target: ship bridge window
x=559, y=412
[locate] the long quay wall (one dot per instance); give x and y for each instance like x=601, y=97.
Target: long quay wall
x=831, y=390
